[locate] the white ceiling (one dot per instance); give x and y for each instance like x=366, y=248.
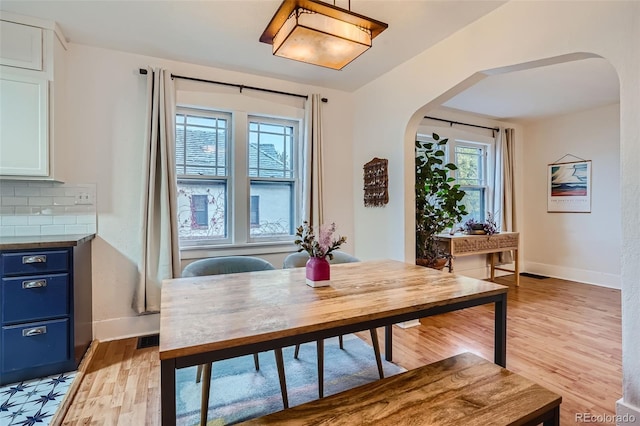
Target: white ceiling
x=225, y=33
x=542, y=92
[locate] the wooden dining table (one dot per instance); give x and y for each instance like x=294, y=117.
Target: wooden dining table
x=211, y=318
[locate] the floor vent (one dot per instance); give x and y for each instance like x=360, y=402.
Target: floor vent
x=148, y=341
x=537, y=277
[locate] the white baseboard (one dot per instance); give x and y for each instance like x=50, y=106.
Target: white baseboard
x=121, y=328
x=601, y=279
x=626, y=415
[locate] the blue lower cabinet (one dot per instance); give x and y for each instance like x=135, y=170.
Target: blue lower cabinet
x=39, y=335
x=35, y=344
x=34, y=298
x=35, y=262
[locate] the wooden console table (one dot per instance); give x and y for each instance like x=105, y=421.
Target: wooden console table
x=467, y=245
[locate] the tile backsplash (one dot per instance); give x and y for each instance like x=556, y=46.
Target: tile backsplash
x=46, y=208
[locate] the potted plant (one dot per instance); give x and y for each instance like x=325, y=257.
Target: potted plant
x=488, y=227
x=438, y=200
x=317, y=268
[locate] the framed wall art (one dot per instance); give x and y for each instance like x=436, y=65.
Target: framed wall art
x=376, y=183
x=569, y=187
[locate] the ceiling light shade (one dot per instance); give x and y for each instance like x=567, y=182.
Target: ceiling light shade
x=318, y=33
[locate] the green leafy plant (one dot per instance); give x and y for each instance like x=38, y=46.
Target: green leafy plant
x=321, y=246
x=438, y=198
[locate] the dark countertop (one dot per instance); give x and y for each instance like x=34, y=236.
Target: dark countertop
x=44, y=241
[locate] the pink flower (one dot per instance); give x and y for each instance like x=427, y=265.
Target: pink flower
x=324, y=237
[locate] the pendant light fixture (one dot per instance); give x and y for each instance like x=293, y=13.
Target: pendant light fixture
x=319, y=33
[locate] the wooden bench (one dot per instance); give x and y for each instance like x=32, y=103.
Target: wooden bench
x=461, y=390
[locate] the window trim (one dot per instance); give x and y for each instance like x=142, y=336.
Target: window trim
x=227, y=178
x=459, y=142
x=294, y=180
x=238, y=181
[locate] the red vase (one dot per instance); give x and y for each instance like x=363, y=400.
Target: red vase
x=318, y=272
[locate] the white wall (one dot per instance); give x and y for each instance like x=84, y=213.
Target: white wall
x=106, y=103
x=515, y=35
x=582, y=247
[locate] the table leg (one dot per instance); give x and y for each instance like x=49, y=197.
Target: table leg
x=493, y=267
x=500, y=344
x=555, y=418
x=320, y=350
x=388, y=343
x=168, y=391
x=517, y=271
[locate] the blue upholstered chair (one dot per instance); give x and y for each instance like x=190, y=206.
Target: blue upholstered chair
x=231, y=265
x=298, y=260
x=225, y=265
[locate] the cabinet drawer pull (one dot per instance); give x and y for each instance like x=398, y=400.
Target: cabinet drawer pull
x=34, y=284
x=36, y=331
x=41, y=258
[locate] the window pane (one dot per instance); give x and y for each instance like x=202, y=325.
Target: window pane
x=271, y=149
x=203, y=121
x=202, y=210
x=474, y=202
x=201, y=144
x=253, y=159
x=274, y=202
x=469, y=162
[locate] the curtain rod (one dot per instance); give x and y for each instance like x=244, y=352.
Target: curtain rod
x=239, y=86
x=495, y=129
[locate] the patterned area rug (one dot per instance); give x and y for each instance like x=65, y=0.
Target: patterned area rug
x=239, y=392
x=33, y=402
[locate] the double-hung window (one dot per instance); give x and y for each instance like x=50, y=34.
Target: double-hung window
x=471, y=154
x=237, y=177
x=471, y=175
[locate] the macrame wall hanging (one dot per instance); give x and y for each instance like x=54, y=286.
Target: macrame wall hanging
x=376, y=183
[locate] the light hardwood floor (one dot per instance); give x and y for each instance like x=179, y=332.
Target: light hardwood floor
x=563, y=335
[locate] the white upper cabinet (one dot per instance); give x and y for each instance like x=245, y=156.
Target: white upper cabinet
x=32, y=109
x=24, y=149
x=20, y=45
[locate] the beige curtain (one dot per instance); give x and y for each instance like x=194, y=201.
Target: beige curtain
x=312, y=163
x=160, y=256
x=504, y=195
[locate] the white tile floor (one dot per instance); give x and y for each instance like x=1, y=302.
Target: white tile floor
x=33, y=402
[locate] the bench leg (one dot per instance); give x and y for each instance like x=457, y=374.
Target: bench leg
x=296, y=352
x=256, y=361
